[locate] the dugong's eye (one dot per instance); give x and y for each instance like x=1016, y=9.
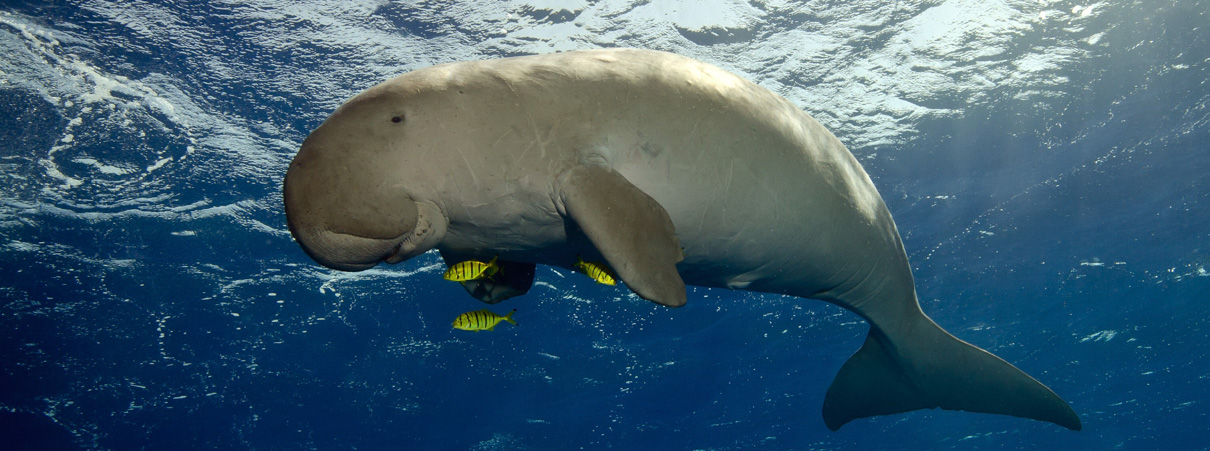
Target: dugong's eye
x=397, y=119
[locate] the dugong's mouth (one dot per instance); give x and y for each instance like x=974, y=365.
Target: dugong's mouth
x=354, y=252
x=343, y=251
x=407, y=248
x=397, y=256
x=430, y=228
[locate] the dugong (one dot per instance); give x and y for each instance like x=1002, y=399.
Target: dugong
x=671, y=171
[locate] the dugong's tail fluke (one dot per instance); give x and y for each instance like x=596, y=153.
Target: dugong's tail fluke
x=930, y=368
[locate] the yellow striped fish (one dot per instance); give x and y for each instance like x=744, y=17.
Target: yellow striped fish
x=472, y=270
x=481, y=320
x=597, y=272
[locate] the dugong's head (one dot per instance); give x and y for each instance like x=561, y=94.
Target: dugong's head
x=345, y=201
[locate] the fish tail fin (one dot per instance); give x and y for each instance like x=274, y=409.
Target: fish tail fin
x=493, y=268
x=509, y=317
x=926, y=368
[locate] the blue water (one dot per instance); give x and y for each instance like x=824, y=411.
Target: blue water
x=1045, y=162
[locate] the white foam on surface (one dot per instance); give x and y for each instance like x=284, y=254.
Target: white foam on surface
x=552, y=5
x=1101, y=336
x=699, y=15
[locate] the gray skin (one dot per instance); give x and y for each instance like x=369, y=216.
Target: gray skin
x=672, y=172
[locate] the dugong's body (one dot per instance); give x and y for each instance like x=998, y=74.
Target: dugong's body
x=670, y=170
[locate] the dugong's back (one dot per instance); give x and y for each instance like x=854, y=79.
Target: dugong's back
x=673, y=171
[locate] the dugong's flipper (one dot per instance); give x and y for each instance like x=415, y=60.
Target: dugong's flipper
x=513, y=279
x=924, y=367
x=629, y=228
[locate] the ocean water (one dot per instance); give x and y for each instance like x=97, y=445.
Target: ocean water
x=1046, y=163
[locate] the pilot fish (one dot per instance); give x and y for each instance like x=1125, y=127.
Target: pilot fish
x=472, y=270
x=481, y=320
x=597, y=272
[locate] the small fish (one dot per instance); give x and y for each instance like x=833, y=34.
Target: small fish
x=597, y=272
x=472, y=270
x=482, y=320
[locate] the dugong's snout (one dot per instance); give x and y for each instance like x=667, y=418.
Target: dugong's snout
x=341, y=241
x=344, y=251
x=345, y=216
